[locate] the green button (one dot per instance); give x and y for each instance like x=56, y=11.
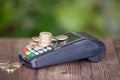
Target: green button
x=32, y=55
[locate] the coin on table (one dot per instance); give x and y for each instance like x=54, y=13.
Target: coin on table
x=4, y=64
x=61, y=37
x=16, y=64
x=4, y=61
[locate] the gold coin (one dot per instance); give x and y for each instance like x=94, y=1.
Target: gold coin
x=36, y=39
x=54, y=38
x=61, y=37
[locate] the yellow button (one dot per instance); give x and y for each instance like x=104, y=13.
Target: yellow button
x=27, y=53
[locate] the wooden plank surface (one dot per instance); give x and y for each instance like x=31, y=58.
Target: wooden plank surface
x=107, y=69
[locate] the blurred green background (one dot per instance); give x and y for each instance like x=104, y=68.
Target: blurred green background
x=26, y=18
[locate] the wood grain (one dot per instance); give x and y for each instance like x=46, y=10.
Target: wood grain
x=107, y=69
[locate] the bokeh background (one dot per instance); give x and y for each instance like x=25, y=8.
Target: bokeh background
x=26, y=18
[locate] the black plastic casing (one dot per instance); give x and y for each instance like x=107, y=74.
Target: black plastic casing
x=87, y=47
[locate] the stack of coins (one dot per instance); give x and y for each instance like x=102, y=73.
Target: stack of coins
x=45, y=39
x=62, y=39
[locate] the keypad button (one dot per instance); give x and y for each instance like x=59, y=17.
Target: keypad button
x=36, y=53
x=49, y=48
x=32, y=48
x=40, y=51
x=27, y=53
x=35, y=49
x=32, y=55
x=45, y=50
x=32, y=51
x=24, y=50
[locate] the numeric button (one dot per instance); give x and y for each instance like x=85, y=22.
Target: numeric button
x=40, y=51
x=49, y=48
x=45, y=50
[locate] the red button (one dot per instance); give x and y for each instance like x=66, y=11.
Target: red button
x=24, y=50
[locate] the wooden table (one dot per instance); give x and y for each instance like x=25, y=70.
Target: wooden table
x=107, y=69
